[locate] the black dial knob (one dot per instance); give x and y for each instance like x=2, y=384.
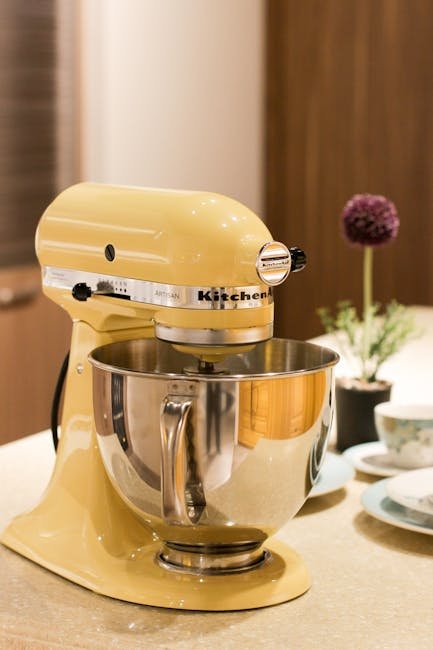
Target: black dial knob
x=81, y=291
x=299, y=259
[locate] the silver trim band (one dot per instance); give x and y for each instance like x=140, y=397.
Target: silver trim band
x=163, y=295
x=239, y=336
x=207, y=564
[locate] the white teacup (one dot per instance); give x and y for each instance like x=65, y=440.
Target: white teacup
x=407, y=431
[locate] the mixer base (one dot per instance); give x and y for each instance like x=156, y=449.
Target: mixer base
x=140, y=579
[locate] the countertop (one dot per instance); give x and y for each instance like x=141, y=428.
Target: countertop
x=372, y=583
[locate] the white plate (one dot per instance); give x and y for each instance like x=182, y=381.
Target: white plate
x=372, y=458
x=334, y=474
x=376, y=502
x=413, y=490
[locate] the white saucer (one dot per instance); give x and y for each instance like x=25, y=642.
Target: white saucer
x=413, y=490
x=372, y=458
x=334, y=474
x=376, y=502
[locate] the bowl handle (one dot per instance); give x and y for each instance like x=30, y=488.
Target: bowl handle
x=174, y=415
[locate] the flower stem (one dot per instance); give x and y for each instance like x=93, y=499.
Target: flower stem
x=368, y=301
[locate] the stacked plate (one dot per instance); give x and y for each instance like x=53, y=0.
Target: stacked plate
x=405, y=499
x=371, y=458
x=334, y=474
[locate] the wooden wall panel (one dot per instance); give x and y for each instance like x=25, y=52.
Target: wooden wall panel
x=27, y=123
x=39, y=155
x=34, y=338
x=349, y=110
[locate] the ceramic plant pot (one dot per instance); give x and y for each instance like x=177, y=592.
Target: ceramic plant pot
x=355, y=402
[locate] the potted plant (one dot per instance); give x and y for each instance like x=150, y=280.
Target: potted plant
x=368, y=221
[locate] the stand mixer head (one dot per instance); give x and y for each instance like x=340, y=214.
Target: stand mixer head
x=197, y=267
x=188, y=434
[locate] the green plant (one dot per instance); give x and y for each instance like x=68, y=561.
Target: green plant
x=387, y=332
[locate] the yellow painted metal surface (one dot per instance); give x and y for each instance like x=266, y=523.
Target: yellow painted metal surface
x=168, y=236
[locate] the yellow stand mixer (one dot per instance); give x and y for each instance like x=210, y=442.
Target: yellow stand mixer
x=188, y=435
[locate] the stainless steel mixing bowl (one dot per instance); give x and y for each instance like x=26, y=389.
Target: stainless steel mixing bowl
x=216, y=458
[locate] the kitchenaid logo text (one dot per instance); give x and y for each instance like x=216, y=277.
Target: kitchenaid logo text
x=278, y=263
x=243, y=296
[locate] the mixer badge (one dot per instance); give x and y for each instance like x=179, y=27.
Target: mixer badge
x=273, y=263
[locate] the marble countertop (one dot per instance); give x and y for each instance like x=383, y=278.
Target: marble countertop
x=372, y=583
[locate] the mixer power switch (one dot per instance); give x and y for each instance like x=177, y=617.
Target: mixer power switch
x=81, y=291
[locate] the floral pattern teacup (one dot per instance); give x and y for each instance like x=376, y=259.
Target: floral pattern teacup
x=407, y=431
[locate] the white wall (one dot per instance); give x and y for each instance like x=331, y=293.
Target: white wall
x=173, y=94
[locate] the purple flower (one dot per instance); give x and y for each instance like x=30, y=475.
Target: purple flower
x=370, y=220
